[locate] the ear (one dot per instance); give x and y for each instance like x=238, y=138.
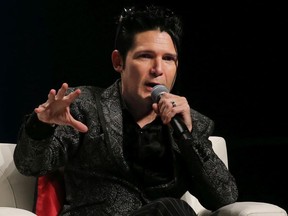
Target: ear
x=117, y=61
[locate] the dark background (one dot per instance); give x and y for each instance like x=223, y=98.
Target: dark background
x=233, y=69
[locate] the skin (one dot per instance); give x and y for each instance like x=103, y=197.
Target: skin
x=152, y=60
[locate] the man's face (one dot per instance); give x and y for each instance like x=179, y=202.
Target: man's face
x=152, y=60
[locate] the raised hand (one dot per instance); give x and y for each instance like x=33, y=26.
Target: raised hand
x=56, y=110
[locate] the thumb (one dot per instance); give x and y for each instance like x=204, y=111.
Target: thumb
x=79, y=126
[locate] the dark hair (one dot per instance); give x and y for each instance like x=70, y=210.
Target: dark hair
x=134, y=20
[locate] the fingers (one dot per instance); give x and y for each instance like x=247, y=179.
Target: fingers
x=62, y=91
x=56, y=108
x=79, y=126
x=62, y=96
x=169, y=102
x=51, y=97
x=73, y=95
x=170, y=105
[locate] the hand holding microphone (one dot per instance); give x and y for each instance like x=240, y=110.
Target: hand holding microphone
x=180, y=129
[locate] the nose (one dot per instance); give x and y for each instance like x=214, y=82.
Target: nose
x=157, y=67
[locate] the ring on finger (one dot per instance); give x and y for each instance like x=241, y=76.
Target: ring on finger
x=173, y=103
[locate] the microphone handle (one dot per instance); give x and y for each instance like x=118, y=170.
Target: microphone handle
x=180, y=129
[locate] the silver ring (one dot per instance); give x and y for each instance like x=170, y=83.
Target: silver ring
x=173, y=103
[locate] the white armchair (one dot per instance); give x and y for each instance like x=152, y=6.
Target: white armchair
x=248, y=208
x=17, y=191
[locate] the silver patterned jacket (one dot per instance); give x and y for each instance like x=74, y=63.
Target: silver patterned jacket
x=98, y=180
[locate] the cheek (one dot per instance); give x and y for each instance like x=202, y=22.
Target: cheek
x=131, y=77
x=137, y=72
x=171, y=77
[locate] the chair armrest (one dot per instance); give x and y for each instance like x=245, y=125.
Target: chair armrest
x=5, y=211
x=246, y=209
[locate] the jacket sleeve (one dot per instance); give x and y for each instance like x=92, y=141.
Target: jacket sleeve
x=211, y=181
x=40, y=148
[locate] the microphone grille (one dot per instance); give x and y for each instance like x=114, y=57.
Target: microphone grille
x=157, y=91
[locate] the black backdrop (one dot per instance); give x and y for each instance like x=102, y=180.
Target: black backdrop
x=235, y=54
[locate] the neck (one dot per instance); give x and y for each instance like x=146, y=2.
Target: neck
x=141, y=111
x=143, y=114
x=145, y=119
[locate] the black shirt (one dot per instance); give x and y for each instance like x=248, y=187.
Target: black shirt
x=148, y=151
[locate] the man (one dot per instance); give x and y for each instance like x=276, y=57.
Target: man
x=116, y=146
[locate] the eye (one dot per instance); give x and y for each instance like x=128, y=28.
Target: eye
x=170, y=58
x=146, y=55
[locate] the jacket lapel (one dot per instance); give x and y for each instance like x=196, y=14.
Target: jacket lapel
x=112, y=111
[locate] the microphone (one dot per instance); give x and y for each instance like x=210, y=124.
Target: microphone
x=180, y=129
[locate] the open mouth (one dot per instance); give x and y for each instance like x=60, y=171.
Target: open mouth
x=152, y=84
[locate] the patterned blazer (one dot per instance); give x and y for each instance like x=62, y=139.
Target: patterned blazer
x=98, y=180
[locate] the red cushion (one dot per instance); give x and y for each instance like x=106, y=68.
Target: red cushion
x=50, y=194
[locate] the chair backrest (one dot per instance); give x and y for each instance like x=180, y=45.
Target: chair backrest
x=219, y=147
x=16, y=190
